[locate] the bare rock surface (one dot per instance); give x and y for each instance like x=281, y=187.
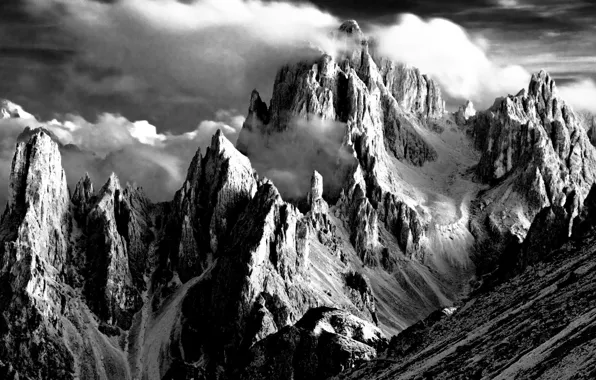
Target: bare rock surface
x=322, y=344
x=535, y=154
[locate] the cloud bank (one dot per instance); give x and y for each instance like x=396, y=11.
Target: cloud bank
x=182, y=60
x=135, y=151
x=581, y=95
x=175, y=62
x=290, y=157
x=446, y=52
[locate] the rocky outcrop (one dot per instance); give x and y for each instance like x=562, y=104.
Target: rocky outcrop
x=412, y=90
x=322, y=344
x=588, y=121
x=118, y=238
x=377, y=100
x=34, y=233
x=259, y=284
x=315, y=196
x=465, y=113
x=217, y=188
x=82, y=197
x=536, y=154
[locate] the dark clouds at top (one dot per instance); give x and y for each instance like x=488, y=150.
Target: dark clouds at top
x=558, y=35
x=50, y=68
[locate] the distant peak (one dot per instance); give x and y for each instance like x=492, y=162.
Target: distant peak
x=350, y=27
x=111, y=185
x=541, y=83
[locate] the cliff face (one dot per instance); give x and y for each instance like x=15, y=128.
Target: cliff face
x=536, y=154
x=217, y=187
x=383, y=104
x=387, y=112
x=35, y=232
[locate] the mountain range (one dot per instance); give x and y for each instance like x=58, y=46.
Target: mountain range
x=409, y=242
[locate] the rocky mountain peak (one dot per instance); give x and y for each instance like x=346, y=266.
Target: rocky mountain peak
x=542, y=85
x=465, y=112
x=34, y=232
x=111, y=185
x=37, y=167
x=316, y=188
x=218, y=185
x=83, y=190
x=350, y=27
x=534, y=145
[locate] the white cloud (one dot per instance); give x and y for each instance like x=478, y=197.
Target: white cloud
x=580, y=95
x=217, y=50
x=135, y=151
x=446, y=52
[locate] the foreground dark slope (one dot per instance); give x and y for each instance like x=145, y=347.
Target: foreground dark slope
x=540, y=324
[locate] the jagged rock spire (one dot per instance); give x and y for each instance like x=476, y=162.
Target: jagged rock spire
x=315, y=196
x=218, y=185
x=34, y=235
x=535, y=142
x=465, y=112
x=83, y=190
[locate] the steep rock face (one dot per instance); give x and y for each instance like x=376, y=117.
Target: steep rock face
x=34, y=235
x=536, y=154
x=116, y=252
x=259, y=284
x=401, y=139
x=36, y=221
x=322, y=344
x=62, y=256
x=588, y=120
x=82, y=197
x=465, y=113
x=217, y=188
x=378, y=128
x=412, y=90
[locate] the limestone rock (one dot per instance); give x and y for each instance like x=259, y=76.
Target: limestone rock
x=259, y=284
x=315, y=197
x=412, y=90
x=110, y=288
x=82, y=196
x=35, y=229
x=465, y=113
x=218, y=186
x=536, y=153
x=322, y=344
